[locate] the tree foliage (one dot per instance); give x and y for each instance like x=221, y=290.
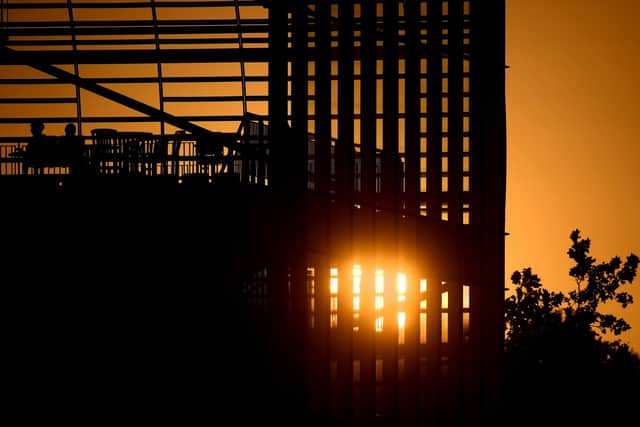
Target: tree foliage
x=532, y=310
x=555, y=347
x=598, y=283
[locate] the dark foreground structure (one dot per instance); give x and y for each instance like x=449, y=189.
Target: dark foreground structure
x=298, y=217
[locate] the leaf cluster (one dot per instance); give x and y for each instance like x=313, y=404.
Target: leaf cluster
x=532, y=310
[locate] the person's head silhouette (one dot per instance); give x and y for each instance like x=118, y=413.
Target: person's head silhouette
x=37, y=127
x=70, y=129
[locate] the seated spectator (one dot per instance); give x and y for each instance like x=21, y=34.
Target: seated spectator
x=37, y=148
x=71, y=149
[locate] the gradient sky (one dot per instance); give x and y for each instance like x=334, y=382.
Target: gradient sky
x=573, y=100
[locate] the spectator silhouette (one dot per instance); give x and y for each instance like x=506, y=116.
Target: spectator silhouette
x=36, y=148
x=72, y=149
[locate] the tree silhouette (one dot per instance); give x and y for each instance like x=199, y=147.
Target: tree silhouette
x=559, y=368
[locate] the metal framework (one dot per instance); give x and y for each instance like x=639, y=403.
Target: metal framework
x=359, y=229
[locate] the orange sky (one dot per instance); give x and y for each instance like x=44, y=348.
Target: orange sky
x=573, y=99
x=573, y=90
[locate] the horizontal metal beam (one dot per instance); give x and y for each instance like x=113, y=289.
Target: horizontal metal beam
x=137, y=80
x=147, y=119
x=120, y=119
x=149, y=56
x=220, y=98
x=109, y=30
x=133, y=56
x=185, y=79
x=134, y=23
x=131, y=42
x=128, y=5
x=37, y=100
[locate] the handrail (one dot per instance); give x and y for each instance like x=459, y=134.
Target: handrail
x=180, y=155
x=121, y=153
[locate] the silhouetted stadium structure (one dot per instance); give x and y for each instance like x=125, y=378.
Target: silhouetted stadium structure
x=296, y=205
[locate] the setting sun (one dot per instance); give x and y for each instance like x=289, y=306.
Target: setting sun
x=360, y=285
